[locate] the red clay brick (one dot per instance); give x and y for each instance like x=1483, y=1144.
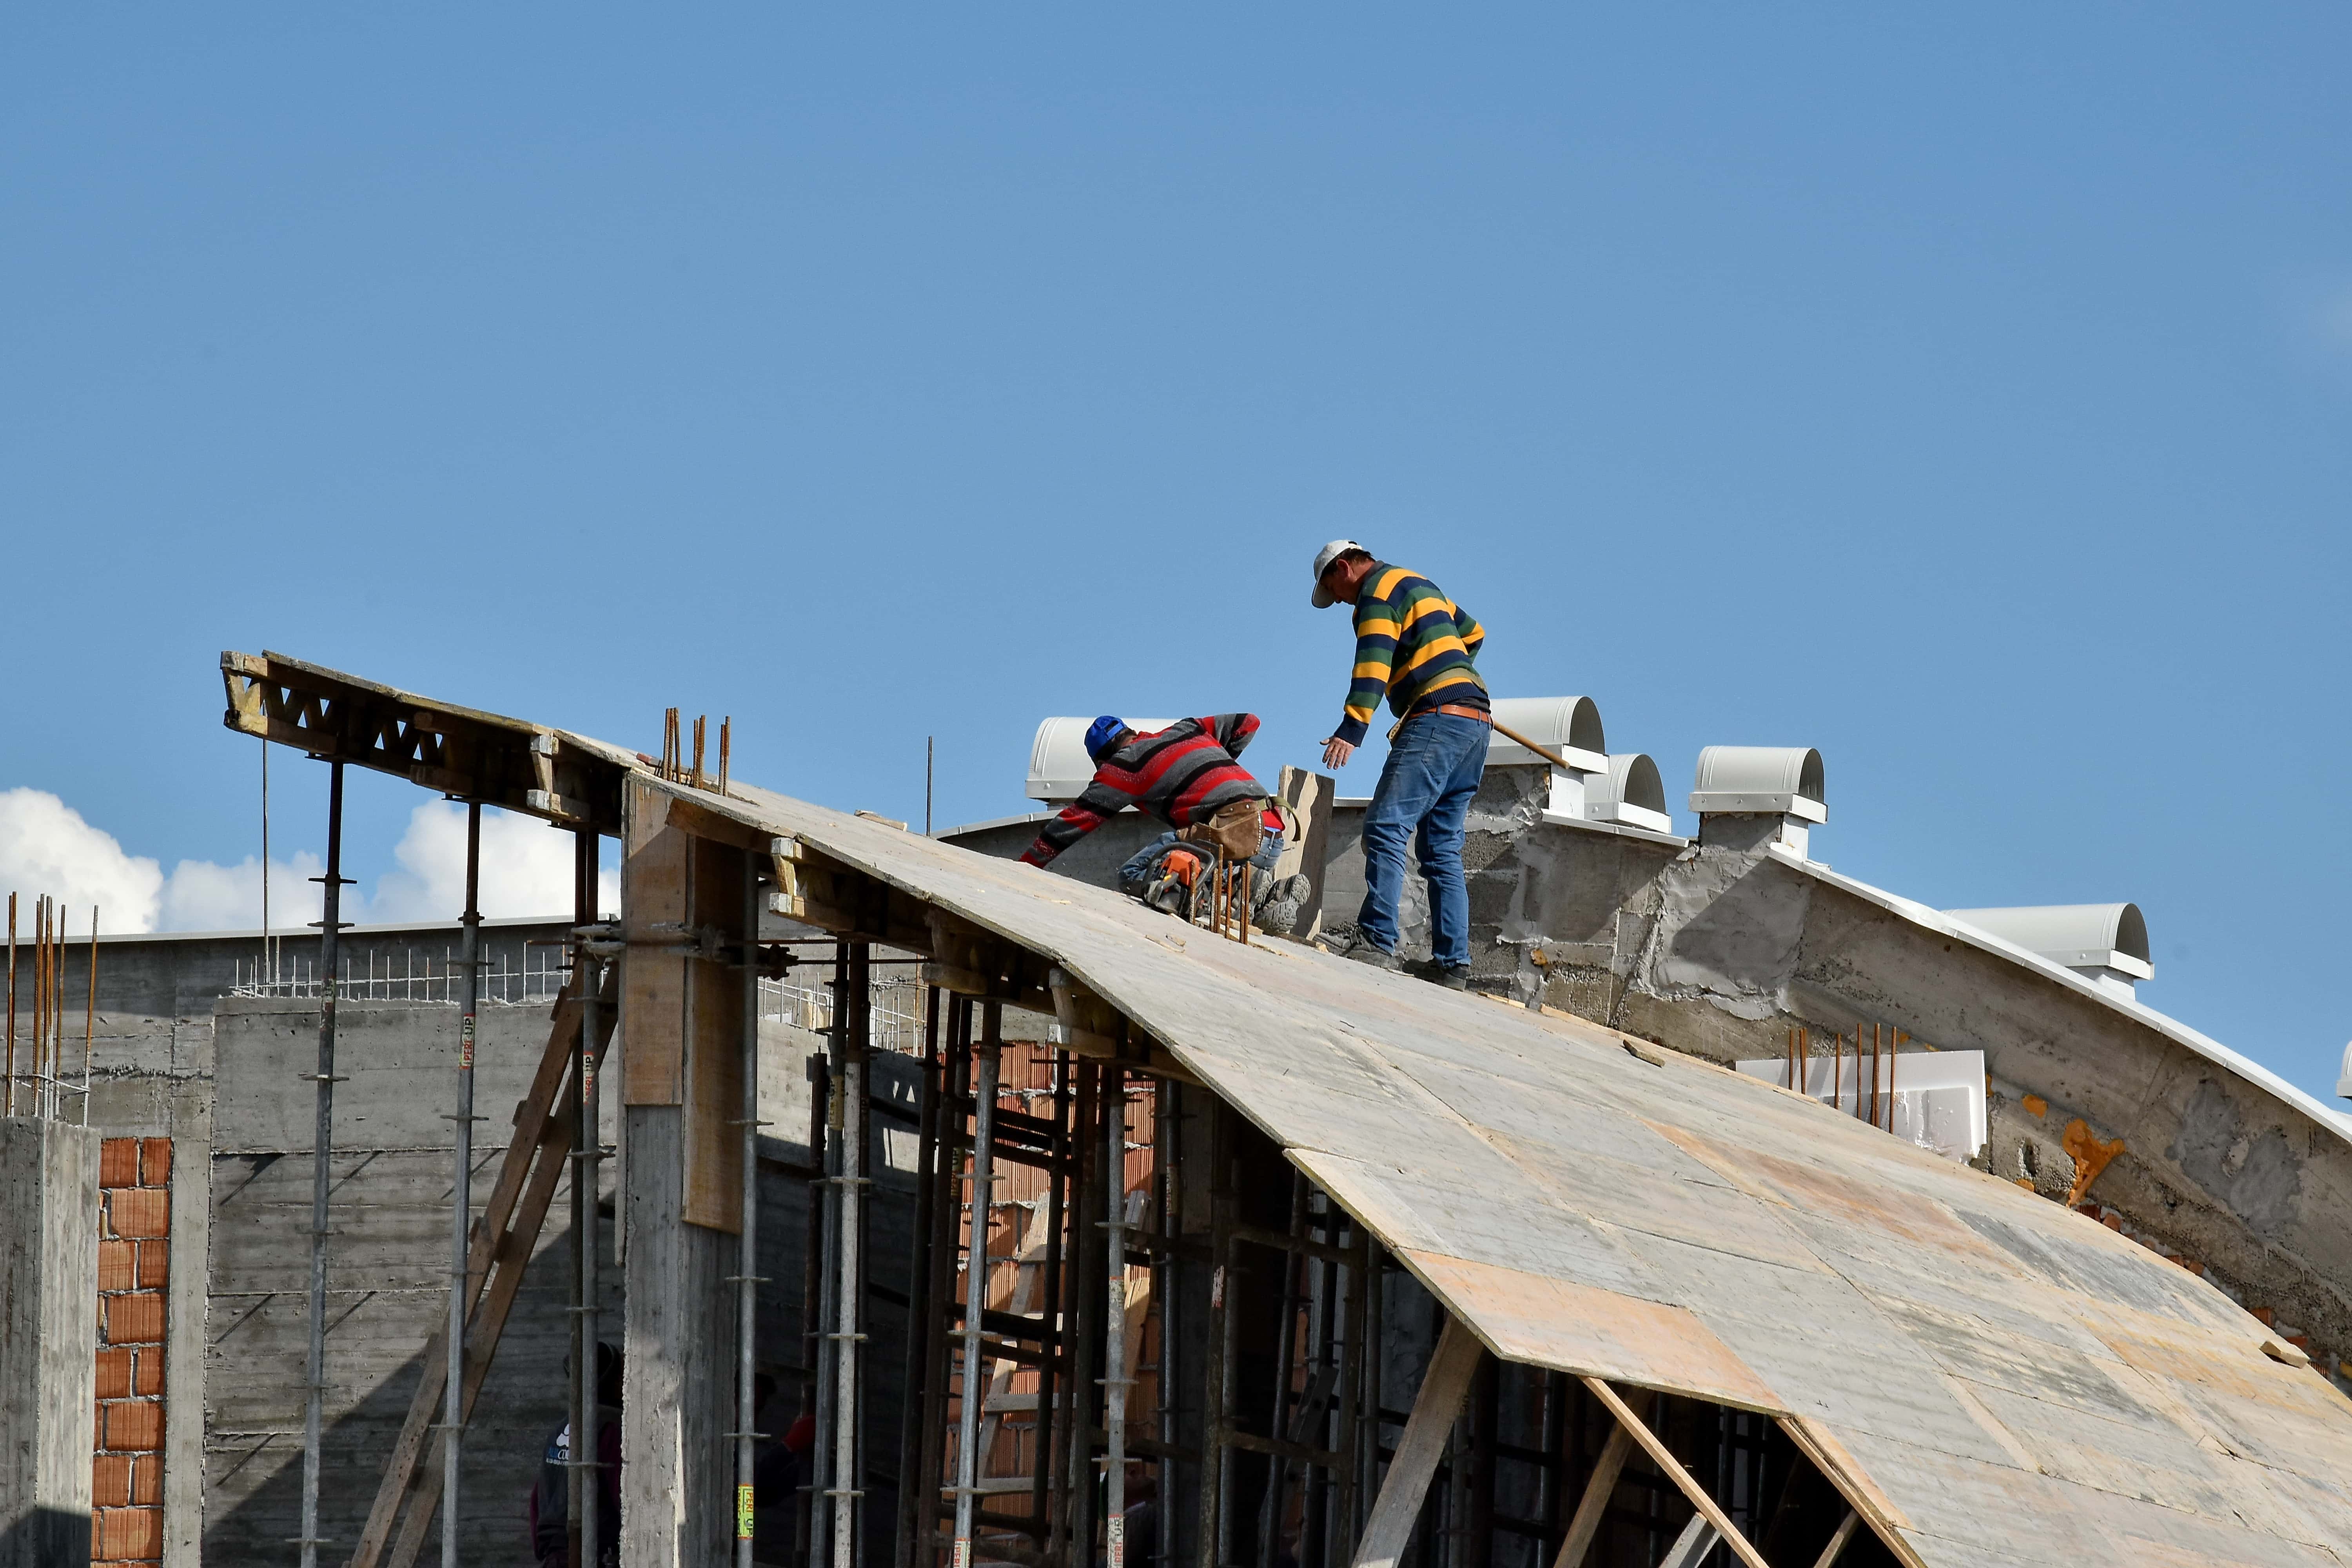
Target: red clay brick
x=114, y=1375
x=115, y=1260
x=147, y=1481
x=134, y=1534
x=118, y=1163
x=149, y=1379
x=154, y=1264
x=154, y=1161
x=134, y=1425
x=138, y=1213
x=110, y=1480
x=135, y=1319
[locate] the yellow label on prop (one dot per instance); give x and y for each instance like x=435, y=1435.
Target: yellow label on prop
x=963, y=1552
x=466, y=1045
x=743, y=1513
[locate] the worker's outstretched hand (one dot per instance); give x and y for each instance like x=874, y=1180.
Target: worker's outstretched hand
x=1336, y=751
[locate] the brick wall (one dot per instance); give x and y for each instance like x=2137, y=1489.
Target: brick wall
x=134, y=1253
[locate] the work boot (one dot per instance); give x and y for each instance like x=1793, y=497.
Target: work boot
x=1453, y=977
x=1279, y=917
x=1378, y=957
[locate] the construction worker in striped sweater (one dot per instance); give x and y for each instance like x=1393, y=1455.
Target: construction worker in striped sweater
x=1419, y=650
x=1186, y=776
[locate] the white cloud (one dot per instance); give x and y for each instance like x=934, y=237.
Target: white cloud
x=203, y=895
x=526, y=869
x=45, y=846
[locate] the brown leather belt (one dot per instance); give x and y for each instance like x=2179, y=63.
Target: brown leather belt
x=1457, y=710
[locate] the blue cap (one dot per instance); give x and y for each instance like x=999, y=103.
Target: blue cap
x=1101, y=733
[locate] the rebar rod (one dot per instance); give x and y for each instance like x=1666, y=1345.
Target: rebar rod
x=12, y=1003
x=1115, y=1379
x=322, y=1148
x=91, y=1021
x=461, y=1189
x=268, y=959
x=746, y=1243
x=983, y=1134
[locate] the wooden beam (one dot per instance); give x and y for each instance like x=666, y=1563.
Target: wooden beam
x=1837, y=1542
x=1589, y=1509
x=1692, y=1546
x=1443, y=1387
x=1854, y=1483
x=502, y=762
x=1674, y=1471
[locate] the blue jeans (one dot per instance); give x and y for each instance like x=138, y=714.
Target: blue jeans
x=1433, y=770
x=1138, y=869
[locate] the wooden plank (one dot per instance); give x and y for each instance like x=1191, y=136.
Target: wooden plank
x=1845, y=1530
x=655, y=861
x=1692, y=1546
x=1594, y=1504
x=1548, y=1323
x=712, y=1077
x=1672, y=1467
x=1444, y=1388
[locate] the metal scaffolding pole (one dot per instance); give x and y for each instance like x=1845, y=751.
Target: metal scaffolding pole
x=1115, y=1381
x=915, y=1504
x=975, y=1285
x=747, y=1252
x=461, y=1188
x=322, y=1146
x=587, y=1478
x=852, y=1018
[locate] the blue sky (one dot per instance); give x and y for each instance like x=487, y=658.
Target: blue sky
x=1963, y=396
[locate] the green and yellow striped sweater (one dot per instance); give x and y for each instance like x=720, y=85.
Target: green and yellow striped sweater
x=1413, y=645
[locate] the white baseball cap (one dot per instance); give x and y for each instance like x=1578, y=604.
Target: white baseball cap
x=1322, y=599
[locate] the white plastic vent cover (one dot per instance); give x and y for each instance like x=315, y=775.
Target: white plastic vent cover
x=2080, y=936
x=1939, y=1096
x=1761, y=781
x=1633, y=795
x=1569, y=726
x=1059, y=768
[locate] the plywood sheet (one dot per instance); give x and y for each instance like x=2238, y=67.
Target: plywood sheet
x=1545, y=1321
x=1999, y=1381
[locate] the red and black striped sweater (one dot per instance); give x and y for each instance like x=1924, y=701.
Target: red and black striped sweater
x=1182, y=774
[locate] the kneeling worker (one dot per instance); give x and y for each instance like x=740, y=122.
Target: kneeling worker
x=1419, y=649
x=1186, y=776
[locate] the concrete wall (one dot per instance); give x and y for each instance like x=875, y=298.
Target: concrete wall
x=387, y=1271
x=48, y=1340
